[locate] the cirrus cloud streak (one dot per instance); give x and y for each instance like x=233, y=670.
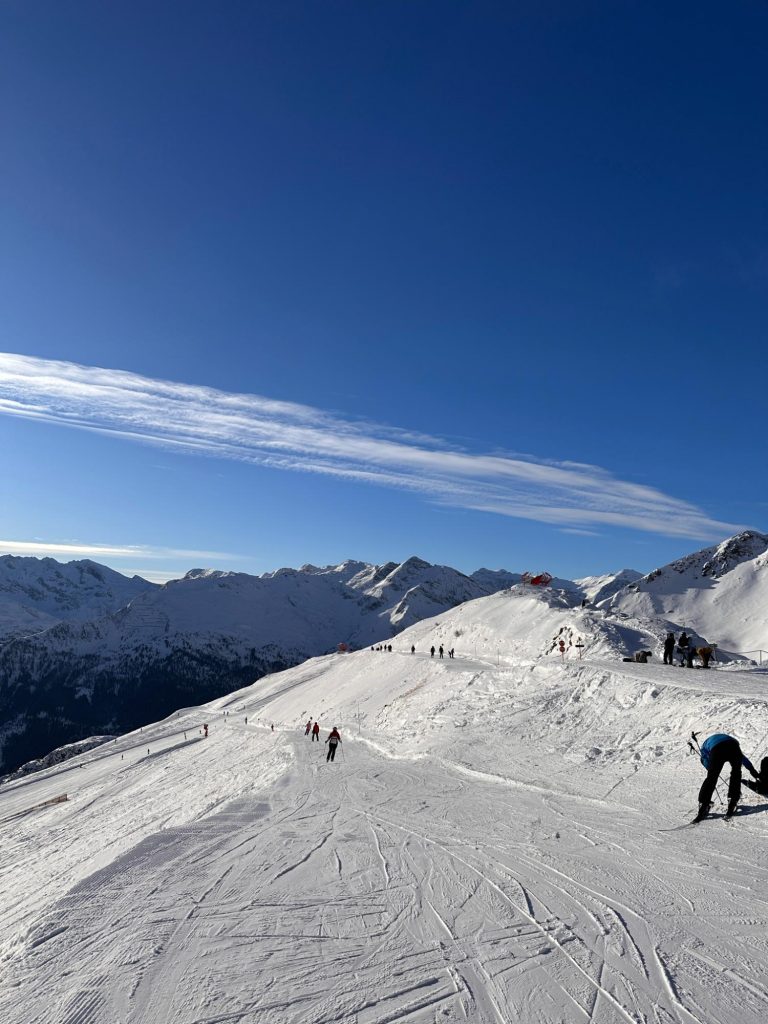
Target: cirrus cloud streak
x=289, y=436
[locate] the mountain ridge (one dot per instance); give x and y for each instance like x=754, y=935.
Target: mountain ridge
x=198, y=637
x=212, y=631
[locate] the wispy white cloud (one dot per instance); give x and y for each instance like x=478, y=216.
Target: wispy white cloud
x=295, y=437
x=74, y=549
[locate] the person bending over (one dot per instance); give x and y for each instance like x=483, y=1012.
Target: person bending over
x=715, y=752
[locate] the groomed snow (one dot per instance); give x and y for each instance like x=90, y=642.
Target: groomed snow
x=492, y=844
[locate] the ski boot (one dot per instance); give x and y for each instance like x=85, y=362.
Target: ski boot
x=732, y=805
x=703, y=812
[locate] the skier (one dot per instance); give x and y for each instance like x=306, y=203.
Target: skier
x=413, y=648
x=309, y=727
x=682, y=648
x=760, y=785
x=441, y=650
x=669, y=649
x=450, y=653
x=272, y=727
x=316, y=732
x=205, y=726
x=246, y=719
x=714, y=752
x=333, y=740
x=432, y=652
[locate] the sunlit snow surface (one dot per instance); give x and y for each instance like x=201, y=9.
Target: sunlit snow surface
x=490, y=845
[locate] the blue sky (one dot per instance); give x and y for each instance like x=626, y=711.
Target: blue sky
x=490, y=280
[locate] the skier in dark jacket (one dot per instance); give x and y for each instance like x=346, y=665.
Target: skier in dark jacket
x=760, y=785
x=714, y=752
x=333, y=741
x=682, y=648
x=308, y=729
x=669, y=649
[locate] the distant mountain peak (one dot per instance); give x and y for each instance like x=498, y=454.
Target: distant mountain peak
x=38, y=593
x=714, y=562
x=201, y=574
x=414, y=562
x=735, y=550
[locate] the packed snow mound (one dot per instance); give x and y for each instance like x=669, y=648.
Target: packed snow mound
x=37, y=593
x=719, y=592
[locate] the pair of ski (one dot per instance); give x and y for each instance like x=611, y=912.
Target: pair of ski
x=726, y=818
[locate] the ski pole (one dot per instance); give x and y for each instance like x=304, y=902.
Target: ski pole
x=698, y=748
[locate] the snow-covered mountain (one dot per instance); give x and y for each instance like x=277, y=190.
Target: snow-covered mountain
x=37, y=593
x=720, y=592
x=202, y=636
x=598, y=588
x=497, y=840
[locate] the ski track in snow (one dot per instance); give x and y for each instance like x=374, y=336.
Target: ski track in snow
x=510, y=874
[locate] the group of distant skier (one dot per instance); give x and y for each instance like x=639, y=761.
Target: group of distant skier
x=334, y=738
x=687, y=651
x=440, y=650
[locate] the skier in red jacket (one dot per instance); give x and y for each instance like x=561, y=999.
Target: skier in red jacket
x=316, y=732
x=309, y=727
x=333, y=741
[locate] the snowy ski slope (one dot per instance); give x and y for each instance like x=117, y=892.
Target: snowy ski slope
x=496, y=842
